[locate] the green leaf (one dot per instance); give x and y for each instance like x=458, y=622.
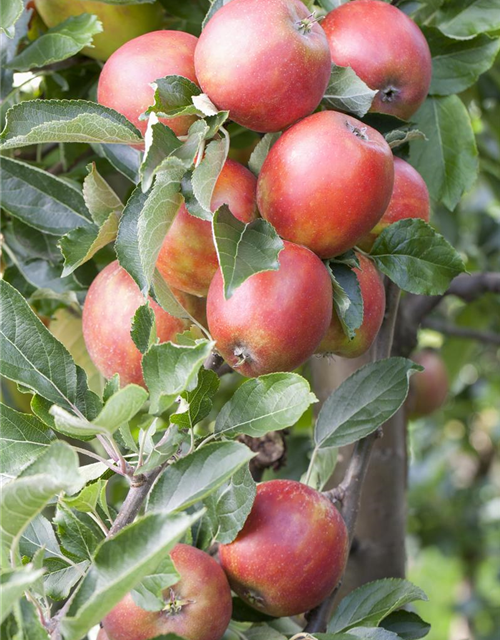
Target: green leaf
x=199, y=401
x=398, y=137
x=416, y=258
x=123, y=158
x=456, y=65
x=259, y=154
x=170, y=369
x=173, y=97
x=160, y=142
x=62, y=41
x=370, y=604
x=120, y=563
x=406, y=624
x=22, y=440
x=244, y=249
x=61, y=576
x=197, y=475
x=268, y=403
x=165, y=298
x=363, y=402
x=40, y=121
x=31, y=356
x=447, y=160
x=463, y=19
x=347, y=298
x=143, y=330
x=29, y=622
x=24, y=498
x=191, y=147
x=86, y=500
x=149, y=593
x=322, y=466
x=79, y=535
x=10, y=12
x=347, y=92
x=40, y=199
x=206, y=174
x=39, y=535
x=99, y=197
x=12, y=586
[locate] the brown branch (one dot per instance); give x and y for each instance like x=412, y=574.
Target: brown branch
x=488, y=337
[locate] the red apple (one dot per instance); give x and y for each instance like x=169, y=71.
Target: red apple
x=387, y=51
x=188, y=259
x=276, y=319
x=198, y=607
x=112, y=300
x=124, y=83
x=410, y=199
x=428, y=388
x=102, y=635
x=326, y=182
x=373, y=294
x=267, y=62
x=291, y=553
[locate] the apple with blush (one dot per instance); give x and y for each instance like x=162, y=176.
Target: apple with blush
x=428, y=388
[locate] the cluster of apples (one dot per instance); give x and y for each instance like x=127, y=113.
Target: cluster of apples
x=330, y=182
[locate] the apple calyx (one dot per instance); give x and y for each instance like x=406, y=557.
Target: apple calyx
x=254, y=598
x=242, y=356
x=175, y=604
x=306, y=24
x=389, y=94
x=359, y=132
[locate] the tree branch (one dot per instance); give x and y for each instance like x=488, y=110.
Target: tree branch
x=488, y=337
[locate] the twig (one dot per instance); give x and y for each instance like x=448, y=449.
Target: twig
x=96, y=456
x=489, y=337
x=216, y=363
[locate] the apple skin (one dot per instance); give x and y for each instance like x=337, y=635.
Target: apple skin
x=373, y=294
x=291, y=552
x=120, y=23
x=387, y=51
x=326, y=182
x=112, y=300
x=410, y=199
x=102, y=635
x=275, y=320
x=124, y=83
x=254, y=59
x=205, y=617
x=188, y=259
x=428, y=388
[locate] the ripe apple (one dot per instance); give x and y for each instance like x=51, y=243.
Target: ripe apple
x=188, y=259
x=102, y=635
x=124, y=83
x=291, y=553
x=276, y=319
x=267, y=62
x=120, y=23
x=387, y=51
x=428, y=388
x=373, y=294
x=198, y=607
x=326, y=182
x=410, y=199
x=112, y=300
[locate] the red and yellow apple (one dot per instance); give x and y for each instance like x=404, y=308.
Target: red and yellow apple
x=268, y=62
x=188, y=259
x=125, y=80
x=291, y=552
x=428, y=388
x=198, y=607
x=326, y=182
x=387, y=51
x=275, y=320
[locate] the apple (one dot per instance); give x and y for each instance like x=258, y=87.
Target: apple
x=102, y=635
x=291, y=552
x=387, y=51
x=267, y=62
x=198, y=607
x=428, y=388
x=188, y=259
x=125, y=80
x=110, y=305
x=326, y=182
x=373, y=294
x=120, y=23
x=275, y=320
x=410, y=199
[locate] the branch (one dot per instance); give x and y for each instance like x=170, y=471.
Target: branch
x=215, y=362
x=488, y=337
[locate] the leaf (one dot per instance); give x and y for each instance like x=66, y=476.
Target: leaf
x=127, y=245
x=170, y=369
x=40, y=199
x=24, y=498
x=347, y=92
x=363, y=402
x=259, y=154
x=268, y=403
x=10, y=12
x=60, y=577
x=398, y=137
x=62, y=41
x=347, y=298
x=120, y=563
x=99, y=197
x=149, y=593
x=80, y=245
x=406, y=624
x=166, y=299
x=322, y=467
x=29, y=622
x=191, y=147
x=464, y=19
x=143, y=330
x=244, y=249
x=369, y=604
x=123, y=158
x=40, y=121
x=206, y=174
x=173, y=97
x=160, y=142
x=199, y=401
x=198, y=474
x=447, y=161
x=456, y=65
x=79, y=535
x=12, y=586
x=31, y=356
x=22, y=440
x=215, y=5
x=39, y=535
x=86, y=500
x=416, y=258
